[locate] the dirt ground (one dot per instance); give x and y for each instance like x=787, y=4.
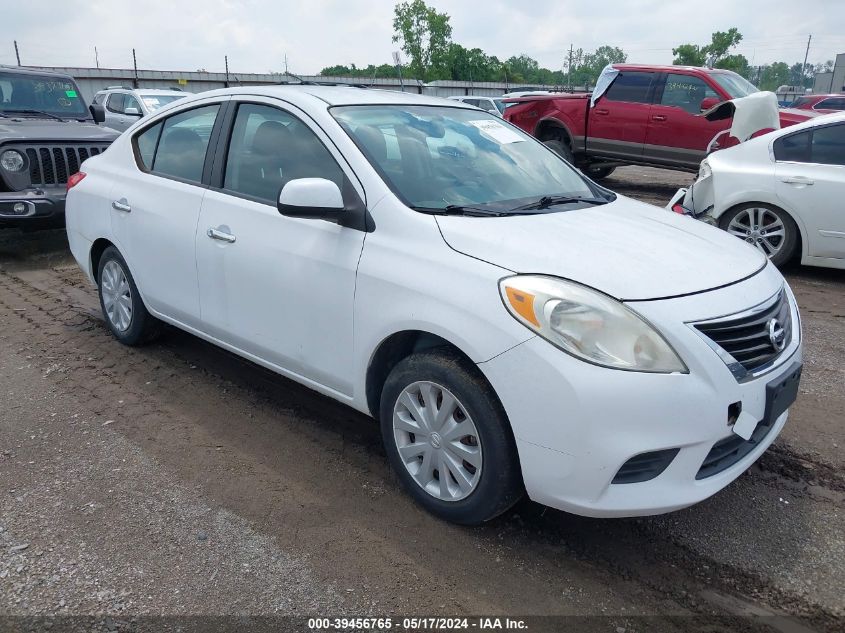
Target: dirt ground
x=178, y=479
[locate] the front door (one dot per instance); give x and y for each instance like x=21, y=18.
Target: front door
x=278, y=288
x=810, y=179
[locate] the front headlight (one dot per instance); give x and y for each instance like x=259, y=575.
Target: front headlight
x=588, y=324
x=12, y=160
x=704, y=169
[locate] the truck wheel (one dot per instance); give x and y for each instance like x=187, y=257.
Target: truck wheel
x=448, y=439
x=599, y=173
x=559, y=147
x=770, y=229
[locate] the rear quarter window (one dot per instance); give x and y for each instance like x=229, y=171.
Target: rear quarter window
x=633, y=87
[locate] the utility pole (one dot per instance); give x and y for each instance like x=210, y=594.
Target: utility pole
x=569, y=76
x=226, y=58
x=96, y=57
x=804, y=67
x=135, y=65
x=17, y=53
x=397, y=61
x=286, y=63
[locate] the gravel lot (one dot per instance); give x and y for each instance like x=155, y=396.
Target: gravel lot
x=178, y=479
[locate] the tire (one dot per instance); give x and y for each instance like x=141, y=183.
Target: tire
x=599, y=173
x=123, y=310
x=476, y=428
x=560, y=148
x=747, y=221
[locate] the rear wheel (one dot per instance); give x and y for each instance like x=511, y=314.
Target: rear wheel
x=124, y=311
x=448, y=438
x=560, y=147
x=770, y=229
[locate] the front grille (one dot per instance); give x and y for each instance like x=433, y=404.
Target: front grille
x=747, y=337
x=52, y=164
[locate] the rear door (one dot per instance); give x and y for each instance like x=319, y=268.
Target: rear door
x=115, y=119
x=677, y=135
x=810, y=170
x=156, y=204
x=619, y=120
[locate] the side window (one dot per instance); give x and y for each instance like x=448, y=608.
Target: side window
x=487, y=104
x=183, y=143
x=115, y=102
x=131, y=102
x=633, y=87
x=828, y=145
x=686, y=92
x=793, y=148
x=472, y=102
x=831, y=104
x=269, y=148
x=98, y=98
x=146, y=142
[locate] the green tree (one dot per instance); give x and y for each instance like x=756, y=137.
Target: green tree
x=737, y=63
x=774, y=75
x=523, y=69
x=595, y=62
x=721, y=43
x=424, y=35
x=689, y=55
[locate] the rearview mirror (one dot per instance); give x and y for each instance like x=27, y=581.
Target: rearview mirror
x=132, y=112
x=310, y=198
x=709, y=102
x=98, y=112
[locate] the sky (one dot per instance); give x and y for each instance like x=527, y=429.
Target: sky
x=257, y=35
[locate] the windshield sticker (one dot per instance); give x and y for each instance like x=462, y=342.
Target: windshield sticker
x=151, y=101
x=71, y=94
x=497, y=131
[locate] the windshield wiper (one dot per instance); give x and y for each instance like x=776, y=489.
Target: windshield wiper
x=47, y=114
x=460, y=209
x=547, y=201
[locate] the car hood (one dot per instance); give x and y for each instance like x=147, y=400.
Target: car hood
x=47, y=130
x=627, y=249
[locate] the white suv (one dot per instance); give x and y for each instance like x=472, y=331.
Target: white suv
x=493, y=105
x=124, y=106
x=512, y=325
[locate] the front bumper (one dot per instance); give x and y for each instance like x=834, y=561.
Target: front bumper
x=577, y=424
x=32, y=205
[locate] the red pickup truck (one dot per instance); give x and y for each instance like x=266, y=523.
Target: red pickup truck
x=648, y=115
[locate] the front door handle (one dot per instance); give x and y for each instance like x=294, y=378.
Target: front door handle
x=797, y=180
x=121, y=205
x=602, y=111
x=658, y=117
x=220, y=235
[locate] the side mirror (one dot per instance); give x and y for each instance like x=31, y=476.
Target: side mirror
x=708, y=103
x=132, y=112
x=311, y=198
x=98, y=112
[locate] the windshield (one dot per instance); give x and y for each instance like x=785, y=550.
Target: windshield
x=56, y=95
x=734, y=85
x=436, y=157
x=154, y=102
x=500, y=105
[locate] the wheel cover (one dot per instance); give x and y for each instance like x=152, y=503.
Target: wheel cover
x=437, y=441
x=117, y=296
x=761, y=227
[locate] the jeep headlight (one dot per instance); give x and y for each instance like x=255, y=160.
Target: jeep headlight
x=12, y=160
x=588, y=324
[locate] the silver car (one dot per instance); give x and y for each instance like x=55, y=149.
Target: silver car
x=124, y=105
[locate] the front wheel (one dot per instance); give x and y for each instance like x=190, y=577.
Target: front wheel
x=599, y=173
x=770, y=229
x=448, y=438
x=124, y=311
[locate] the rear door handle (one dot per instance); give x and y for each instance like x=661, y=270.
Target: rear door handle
x=797, y=180
x=658, y=117
x=220, y=235
x=602, y=111
x=121, y=205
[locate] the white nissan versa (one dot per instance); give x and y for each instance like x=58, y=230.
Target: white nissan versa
x=513, y=326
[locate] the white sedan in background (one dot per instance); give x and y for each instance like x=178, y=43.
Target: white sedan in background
x=781, y=192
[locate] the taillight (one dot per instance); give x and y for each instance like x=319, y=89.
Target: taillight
x=74, y=180
x=678, y=208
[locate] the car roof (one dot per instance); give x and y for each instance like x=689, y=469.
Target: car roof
x=33, y=71
x=336, y=95
x=668, y=69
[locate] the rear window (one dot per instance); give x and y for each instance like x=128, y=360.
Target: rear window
x=793, y=148
x=836, y=103
x=633, y=87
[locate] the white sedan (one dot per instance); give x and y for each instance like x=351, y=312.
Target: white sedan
x=781, y=192
x=513, y=326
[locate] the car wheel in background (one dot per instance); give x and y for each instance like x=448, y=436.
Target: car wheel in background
x=598, y=173
x=560, y=147
x=124, y=311
x=448, y=438
x=770, y=229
